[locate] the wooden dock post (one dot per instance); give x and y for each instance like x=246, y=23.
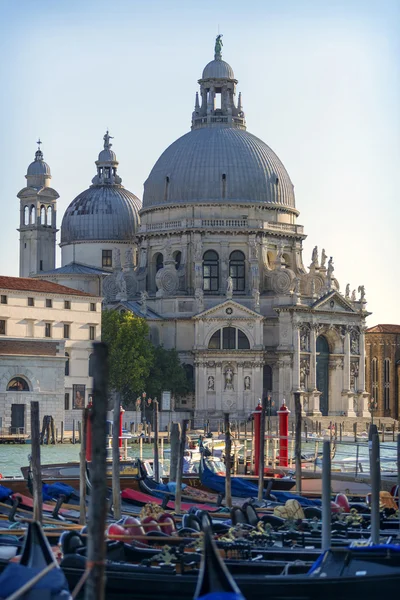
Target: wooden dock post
x=62, y=432
x=228, y=486
x=252, y=448
x=116, y=484
x=383, y=432
x=179, y=471
x=96, y=547
x=82, y=471
x=35, y=462
x=355, y=431
x=156, y=462
x=73, y=431
x=79, y=433
x=297, y=450
x=262, y=449
x=340, y=431
x=245, y=448
x=326, y=496
x=175, y=442
x=375, y=470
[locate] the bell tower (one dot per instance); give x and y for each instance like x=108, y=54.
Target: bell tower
x=38, y=222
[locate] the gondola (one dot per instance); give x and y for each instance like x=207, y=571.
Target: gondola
x=36, y=556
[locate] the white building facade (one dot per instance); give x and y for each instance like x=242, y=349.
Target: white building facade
x=46, y=337
x=219, y=272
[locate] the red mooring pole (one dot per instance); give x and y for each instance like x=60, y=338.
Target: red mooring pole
x=121, y=414
x=89, y=432
x=283, y=413
x=257, y=427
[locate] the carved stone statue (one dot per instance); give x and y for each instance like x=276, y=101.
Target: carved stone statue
x=218, y=46
x=143, y=298
x=304, y=339
x=256, y=296
x=229, y=287
x=314, y=257
x=228, y=378
x=354, y=342
x=304, y=372
x=347, y=295
x=143, y=257
x=361, y=291
x=353, y=296
x=331, y=268
x=199, y=299
x=296, y=288
x=210, y=383
x=247, y=383
x=121, y=285
x=167, y=251
x=254, y=249
x=117, y=258
x=323, y=258
x=279, y=253
x=129, y=257
x=107, y=137
x=198, y=250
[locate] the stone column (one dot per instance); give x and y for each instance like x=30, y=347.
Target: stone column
x=296, y=357
x=361, y=364
x=346, y=363
x=313, y=358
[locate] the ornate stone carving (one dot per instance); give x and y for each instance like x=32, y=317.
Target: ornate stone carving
x=323, y=258
x=361, y=291
x=256, y=296
x=254, y=249
x=247, y=383
x=121, y=286
x=110, y=289
x=117, y=258
x=353, y=296
x=353, y=375
x=281, y=281
x=167, y=281
x=143, y=297
x=347, y=294
x=143, y=257
x=314, y=258
x=198, y=250
x=129, y=257
x=210, y=383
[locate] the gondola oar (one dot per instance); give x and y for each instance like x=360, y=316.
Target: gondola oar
x=214, y=582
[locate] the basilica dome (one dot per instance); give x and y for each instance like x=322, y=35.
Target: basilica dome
x=106, y=211
x=218, y=165
x=218, y=162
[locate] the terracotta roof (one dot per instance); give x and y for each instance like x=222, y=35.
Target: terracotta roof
x=384, y=329
x=28, y=284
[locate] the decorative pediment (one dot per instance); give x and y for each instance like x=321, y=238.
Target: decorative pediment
x=228, y=310
x=333, y=302
x=44, y=192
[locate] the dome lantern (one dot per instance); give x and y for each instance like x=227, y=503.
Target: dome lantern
x=217, y=92
x=107, y=165
x=38, y=174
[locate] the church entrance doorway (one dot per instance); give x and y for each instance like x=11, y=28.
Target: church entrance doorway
x=323, y=374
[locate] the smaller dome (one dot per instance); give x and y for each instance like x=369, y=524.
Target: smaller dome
x=39, y=167
x=107, y=155
x=218, y=69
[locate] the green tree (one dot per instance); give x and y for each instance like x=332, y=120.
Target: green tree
x=167, y=373
x=131, y=355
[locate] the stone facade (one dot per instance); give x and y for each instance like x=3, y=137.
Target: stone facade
x=383, y=369
x=45, y=345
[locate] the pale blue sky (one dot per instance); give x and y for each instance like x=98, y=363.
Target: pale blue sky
x=320, y=85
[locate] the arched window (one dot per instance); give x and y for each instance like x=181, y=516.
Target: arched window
x=66, y=370
x=32, y=215
x=26, y=215
x=91, y=365
x=210, y=271
x=229, y=338
x=42, y=215
x=374, y=379
x=178, y=258
x=49, y=215
x=237, y=270
x=17, y=384
x=159, y=261
x=386, y=383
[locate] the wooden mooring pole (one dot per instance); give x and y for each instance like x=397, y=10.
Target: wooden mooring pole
x=156, y=462
x=116, y=484
x=96, y=547
x=262, y=449
x=326, y=496
x=228, y=487
x=175, y=443
x=82, y=471
x=179, y=472
x=35, y=462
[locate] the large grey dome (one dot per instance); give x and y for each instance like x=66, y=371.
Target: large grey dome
x=218, y=69
x=218, y=165
x=100, y=213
